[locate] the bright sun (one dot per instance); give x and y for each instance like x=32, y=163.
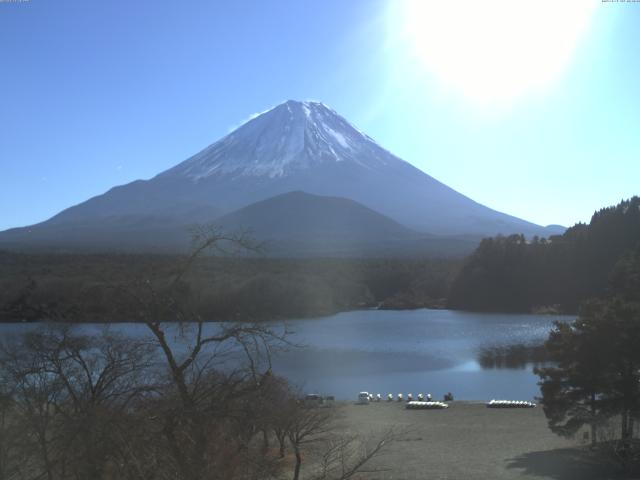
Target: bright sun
x=495, y=49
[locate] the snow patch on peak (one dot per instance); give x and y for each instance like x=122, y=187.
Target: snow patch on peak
x=337, y=136
x=307, y=111
x=288, y=138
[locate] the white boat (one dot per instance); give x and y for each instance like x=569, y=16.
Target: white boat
x=510, y=404
x=426, y=405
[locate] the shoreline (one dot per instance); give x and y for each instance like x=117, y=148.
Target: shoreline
x=288, y=319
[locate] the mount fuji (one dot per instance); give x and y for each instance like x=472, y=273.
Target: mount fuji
x=294, y=147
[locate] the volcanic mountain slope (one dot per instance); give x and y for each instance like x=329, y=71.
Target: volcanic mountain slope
x=294, y=224
x=301, y=224
x=296, y=146
x=302, y=216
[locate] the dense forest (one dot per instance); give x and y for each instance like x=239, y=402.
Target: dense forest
x=80, y=288
x=511, y=273
x=556, y=274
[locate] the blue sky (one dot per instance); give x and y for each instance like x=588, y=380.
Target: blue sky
x=96, y=94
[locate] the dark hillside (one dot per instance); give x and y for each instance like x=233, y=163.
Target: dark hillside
x=513, y=274
x=82, y=288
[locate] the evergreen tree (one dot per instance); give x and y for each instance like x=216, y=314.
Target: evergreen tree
x=511, y=274
x=573, y=390
x=596, y=376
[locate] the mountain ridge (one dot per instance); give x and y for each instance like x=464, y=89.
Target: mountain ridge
x=295, y=146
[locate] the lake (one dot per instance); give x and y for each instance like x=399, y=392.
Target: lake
x=389, y=351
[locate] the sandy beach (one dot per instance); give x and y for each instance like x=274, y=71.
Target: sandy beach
x=470, y=441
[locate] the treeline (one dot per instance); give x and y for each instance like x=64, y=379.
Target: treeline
x=555, y=274
x=88, y=288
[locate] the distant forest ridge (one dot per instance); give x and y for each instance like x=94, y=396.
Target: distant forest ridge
x=92, y=288
x=511, y=274
x=515, y=275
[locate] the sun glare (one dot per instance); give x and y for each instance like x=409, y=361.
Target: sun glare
x=494, y=49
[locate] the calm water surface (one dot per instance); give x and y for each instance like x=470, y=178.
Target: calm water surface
x=387, y=351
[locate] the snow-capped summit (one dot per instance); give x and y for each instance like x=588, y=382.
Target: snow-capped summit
x=290, y=137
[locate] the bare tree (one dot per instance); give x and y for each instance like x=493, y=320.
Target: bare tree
x=213, y=369
x=306, y=426
x=8, y=451
x=346, y=456
x=70, y=391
